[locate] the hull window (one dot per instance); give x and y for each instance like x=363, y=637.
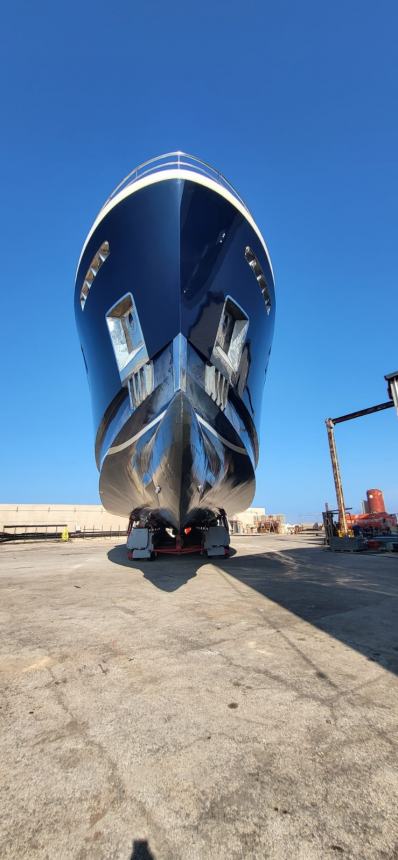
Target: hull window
x=126, y=336
x=252, y=260
x=231, y=335
x=92, y=271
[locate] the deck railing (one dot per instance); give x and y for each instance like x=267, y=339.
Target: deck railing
x=175, y=161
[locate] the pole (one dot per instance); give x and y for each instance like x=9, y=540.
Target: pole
x=337, y=477
x=369, y=411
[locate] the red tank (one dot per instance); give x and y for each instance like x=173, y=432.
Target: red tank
x=375, y=501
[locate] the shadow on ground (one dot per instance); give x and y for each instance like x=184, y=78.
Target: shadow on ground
x=168, y=573
x=141, y=850
x=352, y=597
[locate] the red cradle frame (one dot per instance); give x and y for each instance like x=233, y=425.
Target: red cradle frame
x=177, y=550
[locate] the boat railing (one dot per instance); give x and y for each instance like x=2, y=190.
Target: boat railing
x=174, y=161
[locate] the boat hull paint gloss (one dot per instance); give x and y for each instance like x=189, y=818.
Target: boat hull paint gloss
x=175, y=307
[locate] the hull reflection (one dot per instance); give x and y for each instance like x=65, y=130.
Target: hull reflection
x=175, y=308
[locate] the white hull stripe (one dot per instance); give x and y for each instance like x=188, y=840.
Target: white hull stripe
x=161, y=176
x=123, y=445
x=221, y=438
x=117, y=448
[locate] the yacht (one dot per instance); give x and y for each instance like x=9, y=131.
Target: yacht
x=175, y=307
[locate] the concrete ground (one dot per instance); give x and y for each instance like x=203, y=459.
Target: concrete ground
x=182, y=709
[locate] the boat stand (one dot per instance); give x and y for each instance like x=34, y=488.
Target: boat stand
x=146, y=543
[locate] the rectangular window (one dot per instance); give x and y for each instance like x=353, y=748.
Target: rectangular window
x=126, y=336
x=231, y=334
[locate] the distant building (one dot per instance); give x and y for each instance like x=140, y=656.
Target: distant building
x=246, y=521
x=75, y=517
x=96, y=518
x=255, y=520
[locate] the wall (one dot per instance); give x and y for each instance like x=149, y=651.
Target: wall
x=74, y=516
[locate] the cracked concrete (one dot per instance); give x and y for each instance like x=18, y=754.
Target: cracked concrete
x=182, y=709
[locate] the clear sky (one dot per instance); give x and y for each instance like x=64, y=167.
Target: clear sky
x=297, y=103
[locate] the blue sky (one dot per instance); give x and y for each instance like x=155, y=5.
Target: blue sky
x=297, y=104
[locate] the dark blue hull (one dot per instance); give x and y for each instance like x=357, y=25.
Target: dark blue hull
x=175, y=310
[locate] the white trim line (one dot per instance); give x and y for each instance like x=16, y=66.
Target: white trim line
x=162, y=176
x=123, y=445
x=221, y=438
x=117, y=448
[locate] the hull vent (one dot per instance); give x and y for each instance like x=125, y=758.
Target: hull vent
x=258, y=273
x=94, y=267
x=216, y=386
x=141, y=384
